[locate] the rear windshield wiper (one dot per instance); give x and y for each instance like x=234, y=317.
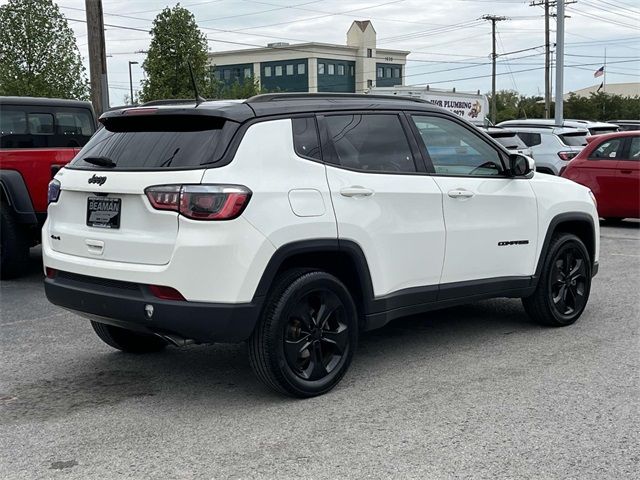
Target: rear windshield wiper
x=100, y=161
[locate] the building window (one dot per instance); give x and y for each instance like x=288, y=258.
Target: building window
x=369, y=83
x=351, y=70
x=340, y=69
x=267, y=71
x=278, y=70
x=369, y=53
x=387, y=72
x=380, y=72
x=321, y=69
x=331, y=69
x=247, y=72
x=396, y=73
x=227, y=74
x=301, y=68
x=289, y=69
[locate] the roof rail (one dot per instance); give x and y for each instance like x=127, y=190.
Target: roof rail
x=275, y=97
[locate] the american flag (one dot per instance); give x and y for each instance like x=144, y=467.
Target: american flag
x=599, y=72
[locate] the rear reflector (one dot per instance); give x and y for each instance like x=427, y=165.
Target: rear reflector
x=201, y=202
x=166, y=293
x=51, y=272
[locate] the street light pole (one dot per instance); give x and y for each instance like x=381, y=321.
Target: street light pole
x=493, y=19
x=130, y=80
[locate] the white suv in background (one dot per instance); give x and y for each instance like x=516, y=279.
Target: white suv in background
x=552, y=147
x=294, y=222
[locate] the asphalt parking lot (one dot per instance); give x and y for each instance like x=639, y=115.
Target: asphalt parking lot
x=470, y=392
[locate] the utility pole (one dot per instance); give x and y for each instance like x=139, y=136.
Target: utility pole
x=559, y=110
x=493, y=19
x=97, y=56
x=547, y=54
x=131, y=80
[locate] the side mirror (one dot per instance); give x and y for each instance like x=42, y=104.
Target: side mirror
x=521, y=165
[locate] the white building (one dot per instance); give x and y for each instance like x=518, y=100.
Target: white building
x=316, y=67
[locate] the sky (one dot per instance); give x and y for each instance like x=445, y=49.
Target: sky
x=449, y=41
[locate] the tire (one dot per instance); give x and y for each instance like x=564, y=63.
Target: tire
x=14, y=246
x=563, y=288
x=295, y=349
x=128, y=340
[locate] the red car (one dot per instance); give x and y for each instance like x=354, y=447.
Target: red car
x=610, y=166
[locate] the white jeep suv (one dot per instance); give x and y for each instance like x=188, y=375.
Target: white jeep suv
x=294, y=222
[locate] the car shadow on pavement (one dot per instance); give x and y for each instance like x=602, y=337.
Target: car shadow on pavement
x=217, y=376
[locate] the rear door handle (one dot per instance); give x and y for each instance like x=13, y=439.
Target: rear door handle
x=356, y=191
x=460, y=193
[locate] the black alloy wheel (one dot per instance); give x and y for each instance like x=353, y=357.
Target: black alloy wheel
x=307, y=335
x=316, y=336
x=564, y=285
x=568, y=281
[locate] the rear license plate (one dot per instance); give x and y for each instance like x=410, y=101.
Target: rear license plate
x=103, y=212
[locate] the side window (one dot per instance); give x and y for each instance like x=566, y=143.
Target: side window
x=375, y=142
x=530, y=139
x=40, y=123
x=454, y=150
x=306, y=141
x=73, y=128
x=607, y=149
x=14, y=132
x=634, y=149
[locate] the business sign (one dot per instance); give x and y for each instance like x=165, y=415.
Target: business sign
x=472, y=108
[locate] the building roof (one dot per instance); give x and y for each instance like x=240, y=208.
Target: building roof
x=363, y=24
x=300, y=47
x=631, y=89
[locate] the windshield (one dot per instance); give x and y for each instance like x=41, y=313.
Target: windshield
x=153, y=143
x=509, y=140
x=574, y=139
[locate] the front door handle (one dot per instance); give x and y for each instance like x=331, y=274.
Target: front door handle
x=356, y=191
x=460, y=193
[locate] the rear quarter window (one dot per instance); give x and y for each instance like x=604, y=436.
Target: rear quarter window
x=577, y=139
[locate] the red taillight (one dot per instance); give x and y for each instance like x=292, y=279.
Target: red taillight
x=201, y=202
x=566, y=156
x=51, y=272
x=165, y=293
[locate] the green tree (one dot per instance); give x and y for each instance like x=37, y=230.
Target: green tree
x=176, y=42
x=38, y=52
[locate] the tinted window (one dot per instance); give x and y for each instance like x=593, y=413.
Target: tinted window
x=576, y=139
x=509, y=140
x=454, y=150
x=155, y=142
x=22, y=127
x=305, y=137
x=371, y=142
x=608, y=149
x=530, y=139
x=634, y=150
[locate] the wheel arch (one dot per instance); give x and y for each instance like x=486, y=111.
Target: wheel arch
x=16, y=196
x=578, y=223
x=342, y=258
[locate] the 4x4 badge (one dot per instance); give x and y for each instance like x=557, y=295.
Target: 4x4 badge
x=97, y=179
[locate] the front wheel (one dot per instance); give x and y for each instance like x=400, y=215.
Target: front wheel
x=307, y=336
x=14, y=246
x=564, y=284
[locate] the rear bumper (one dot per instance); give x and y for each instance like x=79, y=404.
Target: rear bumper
x=124, y=304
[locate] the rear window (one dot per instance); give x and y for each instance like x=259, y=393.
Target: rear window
x=602, y=130
x=157, y=142
x=36, y=126
x=509, y=140
x=577, y=139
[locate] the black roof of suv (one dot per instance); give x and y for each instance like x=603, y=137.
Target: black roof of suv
x=282, y=103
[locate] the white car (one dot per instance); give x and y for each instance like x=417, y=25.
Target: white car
x=594, y=128
x=552, y=147
x=509, y=139
x=294, y=222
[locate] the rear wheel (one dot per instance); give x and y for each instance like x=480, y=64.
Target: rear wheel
x=307, y=336
x=127, y=340
x=14, y=246
x=564, y=285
